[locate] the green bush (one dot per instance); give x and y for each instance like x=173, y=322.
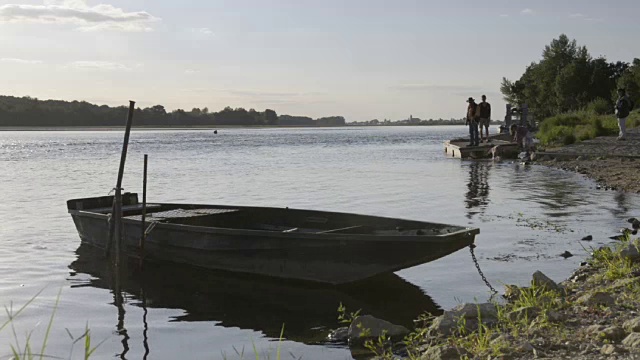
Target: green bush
x=579, y=126
x=558, y=134
x=600, y=106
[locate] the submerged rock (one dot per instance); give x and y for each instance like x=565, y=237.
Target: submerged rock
x=587, y=238
x=367, y=327
x=566, y=254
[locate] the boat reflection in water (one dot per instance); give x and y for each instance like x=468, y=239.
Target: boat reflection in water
x=250, y=302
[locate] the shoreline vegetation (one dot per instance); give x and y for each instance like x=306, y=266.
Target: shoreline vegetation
x=591, y=315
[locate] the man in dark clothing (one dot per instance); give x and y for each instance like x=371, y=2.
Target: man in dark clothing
x=472, y=120
x=623, y=108
x=485, y=118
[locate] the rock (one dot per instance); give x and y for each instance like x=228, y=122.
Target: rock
x=541, y=280
x=555, y=316
x=366, y=327
x=632, y=220
x=608, y=349
x=632, y=325
x=447, y=323
x=631, y=253
x=441, y=353
x=635, y=224
x=597, y=298
x=511, y=292
x=566, y=254
x=613, y=333
x=340, y=335
x=632, y=341
x=587, y=238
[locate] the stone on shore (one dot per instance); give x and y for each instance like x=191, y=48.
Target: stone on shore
x=631, y=252
x=613, y=333
x=632, y=341
x=447, y=323
x=632, y=325
x=597, y=298
x=587, y=238
x=542, y=280
x=441, y=353
x=339, y=335
x=609, y=350
x=367, y=327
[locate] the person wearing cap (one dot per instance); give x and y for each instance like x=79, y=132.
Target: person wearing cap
x=623, y=108
x=485, y=118
x=473, y=113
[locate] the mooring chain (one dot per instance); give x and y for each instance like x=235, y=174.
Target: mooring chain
x=484, y=278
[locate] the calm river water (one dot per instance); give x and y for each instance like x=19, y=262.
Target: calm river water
x=527, y=216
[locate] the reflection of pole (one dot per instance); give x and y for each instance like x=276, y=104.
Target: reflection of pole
x=118, y=298
x=144, y=209
x=145, y=339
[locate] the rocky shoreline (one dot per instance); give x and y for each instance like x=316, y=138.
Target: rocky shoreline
x=595, y=314
x=613, y=164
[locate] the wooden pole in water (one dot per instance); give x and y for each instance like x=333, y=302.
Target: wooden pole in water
x=117, y=216
x=143, y=235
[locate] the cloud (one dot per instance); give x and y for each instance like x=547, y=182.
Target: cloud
x=577, y=15
x=100, y=65
x=527, y=11
x=20, y=61
x=77, y=12
x=594, y=19
x=203, y=31
x=504, y=15
x=191, y=71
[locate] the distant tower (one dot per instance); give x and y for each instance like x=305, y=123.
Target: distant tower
x=410, y=117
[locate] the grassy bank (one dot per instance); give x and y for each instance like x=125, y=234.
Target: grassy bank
x=566, y=129
x=593, y=315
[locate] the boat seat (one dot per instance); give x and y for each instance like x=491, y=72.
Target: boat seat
x=125, y=209
x=177, y=214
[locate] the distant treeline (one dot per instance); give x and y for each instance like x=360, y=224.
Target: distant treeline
x=28, y=111
x=411, y=122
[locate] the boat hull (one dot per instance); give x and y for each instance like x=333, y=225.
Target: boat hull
x=330, y=258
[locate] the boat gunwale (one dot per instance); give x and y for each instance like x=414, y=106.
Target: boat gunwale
x=464, y=231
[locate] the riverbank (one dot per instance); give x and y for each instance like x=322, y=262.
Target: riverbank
x=591, y=315
x=613, y=164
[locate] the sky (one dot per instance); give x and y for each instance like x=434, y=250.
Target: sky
x=362, y=59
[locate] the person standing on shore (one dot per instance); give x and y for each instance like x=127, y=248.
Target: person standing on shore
x=485, y=118
x=473, y=113
x=623, y=108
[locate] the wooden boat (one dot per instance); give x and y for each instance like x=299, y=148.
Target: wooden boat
x=319, y=246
